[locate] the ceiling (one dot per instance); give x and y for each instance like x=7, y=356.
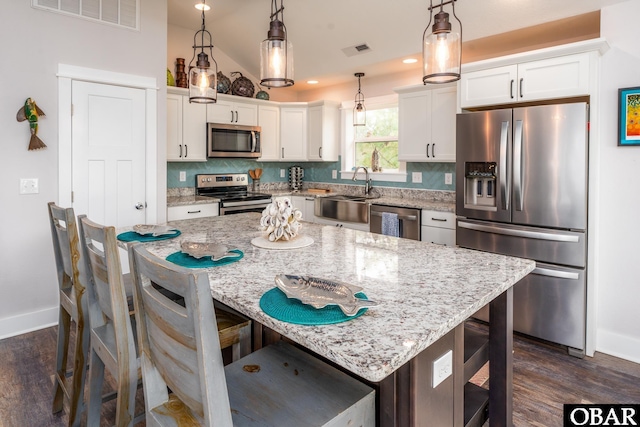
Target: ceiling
x=319, y=30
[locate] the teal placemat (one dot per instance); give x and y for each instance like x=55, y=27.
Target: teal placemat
x=185, y=260
x=132, y=236
x=276, y=304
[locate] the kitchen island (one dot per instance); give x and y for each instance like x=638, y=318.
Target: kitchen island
x=425, y=293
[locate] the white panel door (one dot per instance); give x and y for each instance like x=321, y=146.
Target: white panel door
x=108, y=160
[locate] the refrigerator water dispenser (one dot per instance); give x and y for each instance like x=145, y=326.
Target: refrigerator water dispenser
x=480, y=185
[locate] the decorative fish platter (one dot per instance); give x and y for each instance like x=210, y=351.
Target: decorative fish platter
x=320, y=293
x=153, y=230
x=200, y=250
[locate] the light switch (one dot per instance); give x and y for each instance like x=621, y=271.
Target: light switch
x=442, y=368
x=183, y=176
x=416, y=177
x=281, y=173
x=29, y=186
x=334, y=174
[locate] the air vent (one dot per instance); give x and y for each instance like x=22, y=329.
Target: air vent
x=122, y=13
x=356, y=49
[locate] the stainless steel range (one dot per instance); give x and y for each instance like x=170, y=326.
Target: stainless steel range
x=232, y=190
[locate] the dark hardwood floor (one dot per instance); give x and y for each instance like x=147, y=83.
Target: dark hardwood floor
x=544, y=378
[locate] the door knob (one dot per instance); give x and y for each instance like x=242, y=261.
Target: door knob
x=139, y=206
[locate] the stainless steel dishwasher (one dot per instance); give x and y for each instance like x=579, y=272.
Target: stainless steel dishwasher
x=408, y=220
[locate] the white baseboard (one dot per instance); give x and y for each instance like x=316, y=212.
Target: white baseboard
x=618, y=345
x=28, y=322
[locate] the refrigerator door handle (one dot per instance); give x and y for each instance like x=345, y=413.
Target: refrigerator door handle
x=555, y=273
x=517, y=166
x=520, y=233
x=504, y=179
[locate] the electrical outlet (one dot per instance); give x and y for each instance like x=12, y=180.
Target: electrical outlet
x=183, y=176
x=29, y=186
x=448, y=178
x=334, y=174
x=281, y=173
x=416, y=177
x=442, y=368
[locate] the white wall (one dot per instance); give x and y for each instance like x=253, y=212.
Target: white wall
x=618, y=257
x=34, y=43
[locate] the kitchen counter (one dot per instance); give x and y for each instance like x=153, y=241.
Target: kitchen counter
x=190, y=200
x=404, y=202
x=424, y=290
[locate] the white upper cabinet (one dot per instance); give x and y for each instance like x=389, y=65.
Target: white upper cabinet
x=427, y=124
x=186, y=129
x=324, y=127
x=233, y=110
x=269, y=122
x=293, y=132
x=558, y=77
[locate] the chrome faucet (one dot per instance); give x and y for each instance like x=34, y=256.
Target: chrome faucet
x=367, y=180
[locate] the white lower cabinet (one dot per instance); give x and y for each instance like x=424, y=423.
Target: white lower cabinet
x=352, y=225
x=175, y=213
x=438, y=227
x=306, y=205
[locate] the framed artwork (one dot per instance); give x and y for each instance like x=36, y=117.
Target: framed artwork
x=629, y=116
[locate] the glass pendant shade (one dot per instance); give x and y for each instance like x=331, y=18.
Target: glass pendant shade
x=203, y=82
x=203, y=79
x=442, y=50
x=276, y=52
x=359, y=110
x=276, y=63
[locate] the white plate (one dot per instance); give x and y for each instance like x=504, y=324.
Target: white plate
x=153, y=230
x=296, y=243
x=200, y=250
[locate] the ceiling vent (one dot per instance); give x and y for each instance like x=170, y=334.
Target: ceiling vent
x=358, y=49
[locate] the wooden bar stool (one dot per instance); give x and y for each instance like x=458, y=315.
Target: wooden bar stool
x=278, y=385
x=73, y=308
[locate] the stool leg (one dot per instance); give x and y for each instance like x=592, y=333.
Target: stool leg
x=76, y=404
x=96, y=379
x=126, y=403
x=64, y=326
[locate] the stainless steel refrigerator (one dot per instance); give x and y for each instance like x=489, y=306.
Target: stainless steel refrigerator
x=521, y=190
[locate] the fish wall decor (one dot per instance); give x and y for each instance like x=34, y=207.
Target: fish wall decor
x=31, y=112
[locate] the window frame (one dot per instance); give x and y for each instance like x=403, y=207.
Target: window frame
x=348, y=141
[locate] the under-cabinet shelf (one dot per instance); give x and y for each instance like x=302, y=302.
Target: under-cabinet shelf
x=476, y=405
x=476, y=351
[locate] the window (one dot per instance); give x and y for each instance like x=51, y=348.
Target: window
x=379, y=134
x=123, y=13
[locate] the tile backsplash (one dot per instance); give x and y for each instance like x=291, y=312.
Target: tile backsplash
x=317, y=172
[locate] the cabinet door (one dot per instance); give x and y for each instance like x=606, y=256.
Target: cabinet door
x=559, y=77
x=194, y=131
x=246, y=114
x=315, y=133
x=221, y=112
x=269, y=122
x=489, y=87
x=443, y=130
x=414, y=126
x=293, y=133
x=174, y=127
x=440, y=236
x=309, y=209
x=324, y=138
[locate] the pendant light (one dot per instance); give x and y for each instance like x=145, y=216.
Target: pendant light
x=359, y=110
x=202, y=78
x=276, y=52
x=442, y=47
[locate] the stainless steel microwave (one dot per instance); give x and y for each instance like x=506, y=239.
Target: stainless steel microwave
x=226, y=140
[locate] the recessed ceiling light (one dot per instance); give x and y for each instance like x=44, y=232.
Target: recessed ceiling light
x=312, y=82
x=202, y=6
x=410, y=61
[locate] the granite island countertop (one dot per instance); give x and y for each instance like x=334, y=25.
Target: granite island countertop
x=424, y=290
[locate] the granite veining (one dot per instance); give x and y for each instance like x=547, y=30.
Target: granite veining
x=424, y=290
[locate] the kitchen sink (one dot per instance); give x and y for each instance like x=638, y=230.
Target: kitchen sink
x=342, y=207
